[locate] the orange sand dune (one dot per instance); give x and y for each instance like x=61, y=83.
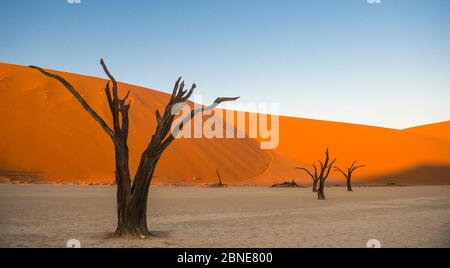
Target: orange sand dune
x=438, y=130
x=45, y=129
x=382, y=150
x=420, y=175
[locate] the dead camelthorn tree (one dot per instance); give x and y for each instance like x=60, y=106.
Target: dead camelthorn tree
x=132, y=194
x=218, y=176
x=314, y=177
x=348, y=174
x=325, y=168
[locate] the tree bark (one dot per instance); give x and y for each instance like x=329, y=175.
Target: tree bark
x=314, y=188
x=349, y=183
x=320, y=191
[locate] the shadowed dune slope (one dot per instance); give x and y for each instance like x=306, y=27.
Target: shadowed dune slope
x=45, y=129
x=420, y=175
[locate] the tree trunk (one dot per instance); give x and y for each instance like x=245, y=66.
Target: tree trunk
x=314, y=189
x=320, y=195
x=320, y=192
x=325, y=168
x=122, y=205
x=132, y=214
x=135, y=220
x=349, y=184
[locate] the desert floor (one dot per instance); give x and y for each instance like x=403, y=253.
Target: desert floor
x=49, y=215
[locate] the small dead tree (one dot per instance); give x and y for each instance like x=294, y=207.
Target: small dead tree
x=132, y=194
x=314, y=177
x=218, y=176
x=325, y=168
x=348, y=174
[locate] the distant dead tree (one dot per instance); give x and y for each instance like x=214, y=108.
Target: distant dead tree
x=325, y=168
x=348, y=174
x=132, y=195
x=218, y=176
x=314, y=177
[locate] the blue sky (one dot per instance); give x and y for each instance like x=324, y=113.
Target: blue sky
x=384, y=64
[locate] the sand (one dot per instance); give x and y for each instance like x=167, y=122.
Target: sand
x=48, y=134
x=438, y=131
x=49, y=215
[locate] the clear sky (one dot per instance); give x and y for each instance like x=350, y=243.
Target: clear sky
x=384, y=64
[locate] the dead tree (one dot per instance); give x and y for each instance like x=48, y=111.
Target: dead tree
x=348, y=174
x=325, y=168
x=132, y=194
x=218, y=176
x=314, y=177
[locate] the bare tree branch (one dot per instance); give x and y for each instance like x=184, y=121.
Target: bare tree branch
x=81, y=100
x=307, y=171
x=194, y=112
x=353, y=164
x=340, y=170
x=355, y=168
x=329, y=168
x=315, y=170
